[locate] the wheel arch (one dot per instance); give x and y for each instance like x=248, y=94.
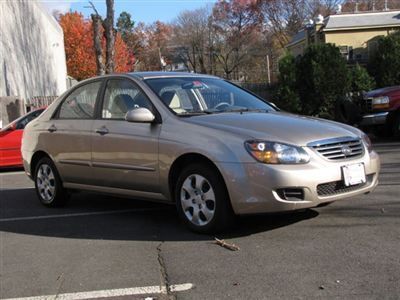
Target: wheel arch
x=36, y=157
x=184, y=160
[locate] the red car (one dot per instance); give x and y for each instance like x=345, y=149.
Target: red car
x=382, y=110
x=10, y=140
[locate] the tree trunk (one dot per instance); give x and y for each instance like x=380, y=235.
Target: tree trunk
x=97, y=44
x=108, y=25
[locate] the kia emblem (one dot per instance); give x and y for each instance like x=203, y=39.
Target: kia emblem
x=346, y=150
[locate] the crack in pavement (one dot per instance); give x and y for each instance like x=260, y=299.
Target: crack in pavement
x=61, y=278
x=164, y=274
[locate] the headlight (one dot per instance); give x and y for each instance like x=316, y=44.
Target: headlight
x=380, y=102
x=276, y=153
x=367, y=142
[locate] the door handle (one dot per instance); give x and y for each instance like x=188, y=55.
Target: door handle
x=52, y=128
x=102, y=130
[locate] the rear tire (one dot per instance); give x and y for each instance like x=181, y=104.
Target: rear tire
x=48, y=184
x=202, y=200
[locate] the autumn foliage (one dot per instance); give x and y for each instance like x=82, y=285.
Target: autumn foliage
x=79, y=49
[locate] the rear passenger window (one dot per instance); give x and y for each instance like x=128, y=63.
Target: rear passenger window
x=120, y=97
x=80, y=104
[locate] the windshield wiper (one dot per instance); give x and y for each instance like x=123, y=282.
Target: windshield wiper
x=240, y=110
x=217, y=111
x=192, y=113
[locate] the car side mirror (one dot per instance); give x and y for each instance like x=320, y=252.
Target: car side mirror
x=140, y=115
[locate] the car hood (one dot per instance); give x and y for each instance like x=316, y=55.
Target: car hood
x=275, y=126
x=384, y=91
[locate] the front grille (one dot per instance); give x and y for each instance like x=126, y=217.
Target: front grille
x=338, y=187
x=340, y=148
x=368, y=105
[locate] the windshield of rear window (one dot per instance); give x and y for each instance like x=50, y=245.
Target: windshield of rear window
x=24, y=120
x=191, y=95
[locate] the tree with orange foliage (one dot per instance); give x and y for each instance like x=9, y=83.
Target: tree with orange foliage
x=150, y=45
x=79, y=48
x=78, y=45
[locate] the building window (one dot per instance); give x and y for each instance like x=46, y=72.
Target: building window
x=345, y=51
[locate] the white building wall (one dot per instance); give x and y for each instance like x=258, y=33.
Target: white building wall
x=32, y=56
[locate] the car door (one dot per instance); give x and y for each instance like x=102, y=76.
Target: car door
x=125, y=154
x=10, y=147
x=69, y=132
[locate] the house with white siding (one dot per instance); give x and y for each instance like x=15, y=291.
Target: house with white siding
x=32, y=56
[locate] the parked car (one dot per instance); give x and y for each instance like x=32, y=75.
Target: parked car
x=10, y=140
x=203, y=143
x=381, y=108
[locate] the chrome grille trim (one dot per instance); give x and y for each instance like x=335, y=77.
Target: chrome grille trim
x=339, y=148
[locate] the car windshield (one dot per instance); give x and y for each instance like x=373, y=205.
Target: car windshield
x=200, y=95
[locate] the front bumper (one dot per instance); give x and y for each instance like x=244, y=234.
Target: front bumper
x=253, y=187
x=374, y=119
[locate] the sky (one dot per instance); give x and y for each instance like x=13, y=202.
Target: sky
x=146, y=11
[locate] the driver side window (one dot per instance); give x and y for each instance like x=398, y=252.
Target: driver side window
x=120, y=97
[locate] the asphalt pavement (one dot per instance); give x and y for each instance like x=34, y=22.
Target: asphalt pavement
x=108, y=248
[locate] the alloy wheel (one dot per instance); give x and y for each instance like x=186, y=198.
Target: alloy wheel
x=198, y=200
x=46, y=183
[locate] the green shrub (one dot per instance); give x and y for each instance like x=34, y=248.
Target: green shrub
x=361, y=81
x=322, y=79
x=286, y=90
x=385, y=64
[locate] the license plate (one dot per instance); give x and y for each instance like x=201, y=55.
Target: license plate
x=354, y=174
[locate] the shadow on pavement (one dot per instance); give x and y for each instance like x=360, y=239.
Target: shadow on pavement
x=151, y=221
x=145, y=221
x=5, y=170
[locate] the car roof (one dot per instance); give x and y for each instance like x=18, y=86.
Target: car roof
x=145, y=75
x=149, y=75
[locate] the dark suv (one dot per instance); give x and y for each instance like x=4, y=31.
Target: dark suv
x=381, y=108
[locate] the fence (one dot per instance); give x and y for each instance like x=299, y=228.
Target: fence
x=263, y=90
x=39, y=101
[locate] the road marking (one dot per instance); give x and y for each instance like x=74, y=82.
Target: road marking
x=13, y=173
x=109, y=212
x=112, y=293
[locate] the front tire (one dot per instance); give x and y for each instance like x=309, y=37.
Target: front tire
x=202, y=200
x=48, y=184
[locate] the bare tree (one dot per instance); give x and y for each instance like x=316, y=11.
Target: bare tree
x=321, y=7
x=97, y=34
x=191, y=37
x=369, y=5
x=108, y=26
x=283, y=18
x=236, y=24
